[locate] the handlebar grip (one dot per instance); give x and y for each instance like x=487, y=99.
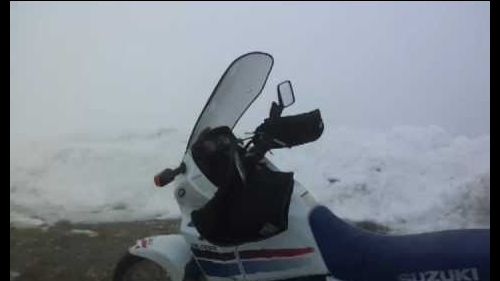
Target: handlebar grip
x=168, y=175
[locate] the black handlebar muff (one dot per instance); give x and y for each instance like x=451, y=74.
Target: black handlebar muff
x=289, y=131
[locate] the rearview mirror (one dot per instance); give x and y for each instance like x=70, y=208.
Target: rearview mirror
x=285, y=94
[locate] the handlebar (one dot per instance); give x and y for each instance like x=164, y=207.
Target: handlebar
x=168, y=175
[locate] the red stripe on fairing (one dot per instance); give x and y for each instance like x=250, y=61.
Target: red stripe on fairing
x=275, y=253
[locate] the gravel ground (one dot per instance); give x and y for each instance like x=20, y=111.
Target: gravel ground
x=76, y=251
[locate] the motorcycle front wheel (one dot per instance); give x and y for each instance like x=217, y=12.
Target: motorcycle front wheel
x=134, y=268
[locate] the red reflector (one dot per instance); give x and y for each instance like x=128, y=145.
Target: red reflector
x=157, y=181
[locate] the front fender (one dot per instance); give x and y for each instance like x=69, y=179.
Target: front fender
x=169, y=251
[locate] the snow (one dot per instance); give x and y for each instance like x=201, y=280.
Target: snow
x=88, y=232
x=412, y=179
x=94, y=179
x=14, y=275
x=21, y=220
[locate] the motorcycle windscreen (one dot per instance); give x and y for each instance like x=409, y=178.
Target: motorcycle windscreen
x=239, y=86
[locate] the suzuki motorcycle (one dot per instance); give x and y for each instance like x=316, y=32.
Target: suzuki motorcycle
x=244, y=219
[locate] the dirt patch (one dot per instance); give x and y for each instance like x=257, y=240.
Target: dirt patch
x=76, y=251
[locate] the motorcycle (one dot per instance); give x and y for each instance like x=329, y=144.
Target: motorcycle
x=244, y=219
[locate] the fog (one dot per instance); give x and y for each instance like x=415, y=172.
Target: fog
x=103, y=96
x=78, y=68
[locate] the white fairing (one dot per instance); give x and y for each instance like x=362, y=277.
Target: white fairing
x=298, y=255
x=169, y=251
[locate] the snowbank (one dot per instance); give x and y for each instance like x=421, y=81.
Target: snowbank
x=412, y=179
x=94, y=179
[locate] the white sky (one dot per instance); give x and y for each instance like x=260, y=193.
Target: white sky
x=94, y=67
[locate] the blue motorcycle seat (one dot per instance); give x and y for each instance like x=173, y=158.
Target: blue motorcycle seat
x=351, y=253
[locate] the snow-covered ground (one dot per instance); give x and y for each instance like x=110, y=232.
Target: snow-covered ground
x=410, y=178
